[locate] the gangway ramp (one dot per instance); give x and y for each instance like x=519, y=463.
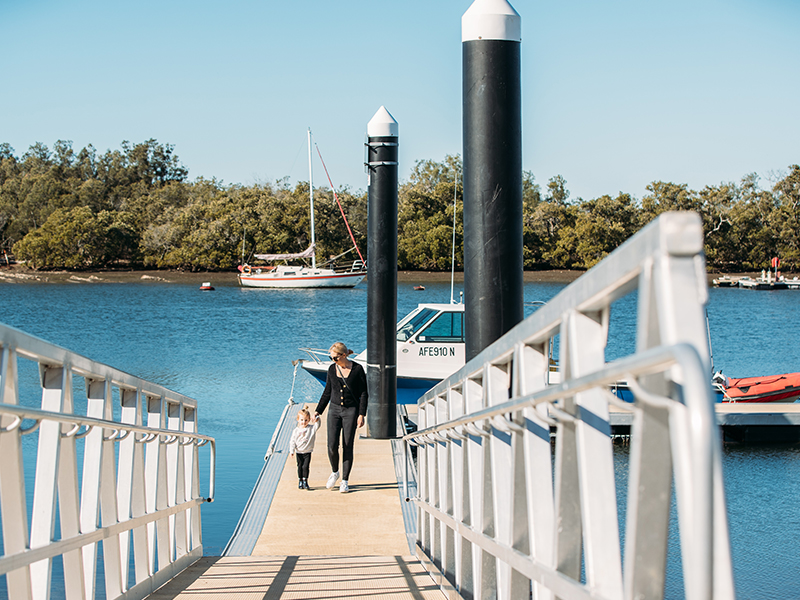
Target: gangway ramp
x=321, y=543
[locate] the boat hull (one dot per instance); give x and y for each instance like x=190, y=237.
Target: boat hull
x=302, y=279
x=409, y=389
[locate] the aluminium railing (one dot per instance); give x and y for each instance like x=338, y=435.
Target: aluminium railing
x=124, y=474
x=500, y=516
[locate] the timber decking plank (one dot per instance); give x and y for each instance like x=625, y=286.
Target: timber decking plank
x=318, y=577
x=366, y=521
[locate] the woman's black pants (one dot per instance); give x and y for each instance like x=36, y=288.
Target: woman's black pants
x=342, y=422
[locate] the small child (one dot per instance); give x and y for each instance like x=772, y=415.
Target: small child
x=302, y=442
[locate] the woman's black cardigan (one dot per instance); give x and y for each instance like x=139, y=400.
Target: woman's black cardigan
x=356, y=381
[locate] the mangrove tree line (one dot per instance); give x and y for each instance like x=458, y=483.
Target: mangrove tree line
x=136, y=207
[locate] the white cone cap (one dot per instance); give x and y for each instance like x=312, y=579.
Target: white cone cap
x=491, y=20
x=382, y=124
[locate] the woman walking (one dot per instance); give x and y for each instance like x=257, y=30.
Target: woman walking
x=346, y=392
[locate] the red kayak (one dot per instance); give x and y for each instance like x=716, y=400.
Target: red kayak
x=768, y=388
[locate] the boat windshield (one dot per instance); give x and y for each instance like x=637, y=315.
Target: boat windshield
x=410, y=327
x=448, y=327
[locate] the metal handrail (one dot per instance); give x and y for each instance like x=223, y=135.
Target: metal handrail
x=139, y=498
x=35, y=414
x=651, y=361
x=499, y=514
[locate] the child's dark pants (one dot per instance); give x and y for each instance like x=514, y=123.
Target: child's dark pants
x=303, y=464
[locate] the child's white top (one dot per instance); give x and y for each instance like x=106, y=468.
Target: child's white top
x=303, y=438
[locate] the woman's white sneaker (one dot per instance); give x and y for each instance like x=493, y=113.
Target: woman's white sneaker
x=343, y=487
x=332, y=480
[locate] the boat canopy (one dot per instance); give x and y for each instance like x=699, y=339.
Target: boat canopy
x=307, y=253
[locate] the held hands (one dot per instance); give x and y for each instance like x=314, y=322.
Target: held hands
x=360, y=422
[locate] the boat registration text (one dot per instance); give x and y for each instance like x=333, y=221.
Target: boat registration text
x=437, y=351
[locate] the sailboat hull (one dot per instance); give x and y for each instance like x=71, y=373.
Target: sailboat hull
x=296, y=277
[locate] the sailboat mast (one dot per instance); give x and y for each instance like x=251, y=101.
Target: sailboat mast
x=311, y=196
x=453, y=255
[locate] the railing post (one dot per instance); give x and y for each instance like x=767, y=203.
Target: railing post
x=423, y=490
x=648, y=510
x=156, y=485
x=131, y=488
x=12, y=480
x=584, y=349
x=531, y=372
x=52, y=484
x=176, y=482
x=192, y=485
x=445, y=495
x=462, y=548
x=98, y=494
x=480, y=493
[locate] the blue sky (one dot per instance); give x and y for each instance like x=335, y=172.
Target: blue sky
x=615, y=94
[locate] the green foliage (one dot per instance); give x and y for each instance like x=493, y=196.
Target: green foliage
x=77, y=238
x=785, y=220
x=425, y=216
x=63, y=208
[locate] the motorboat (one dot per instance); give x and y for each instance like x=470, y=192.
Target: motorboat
x=724, y=281
x=430, y=347
x=285, y=276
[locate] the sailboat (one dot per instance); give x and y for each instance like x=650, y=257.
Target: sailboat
x=302, y=276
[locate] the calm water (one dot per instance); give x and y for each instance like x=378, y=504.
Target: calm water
x=232, y=350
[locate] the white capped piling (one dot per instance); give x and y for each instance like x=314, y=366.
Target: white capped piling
x=492, y=133
x=382, y=152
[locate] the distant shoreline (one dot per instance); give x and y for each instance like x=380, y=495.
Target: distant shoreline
x=21, y=274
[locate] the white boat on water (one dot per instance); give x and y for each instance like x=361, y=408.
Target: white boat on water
x=724, y=281
x=430, y=347
x=285, y=276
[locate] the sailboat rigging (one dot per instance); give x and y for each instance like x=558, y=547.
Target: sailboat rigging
x=288, y=276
